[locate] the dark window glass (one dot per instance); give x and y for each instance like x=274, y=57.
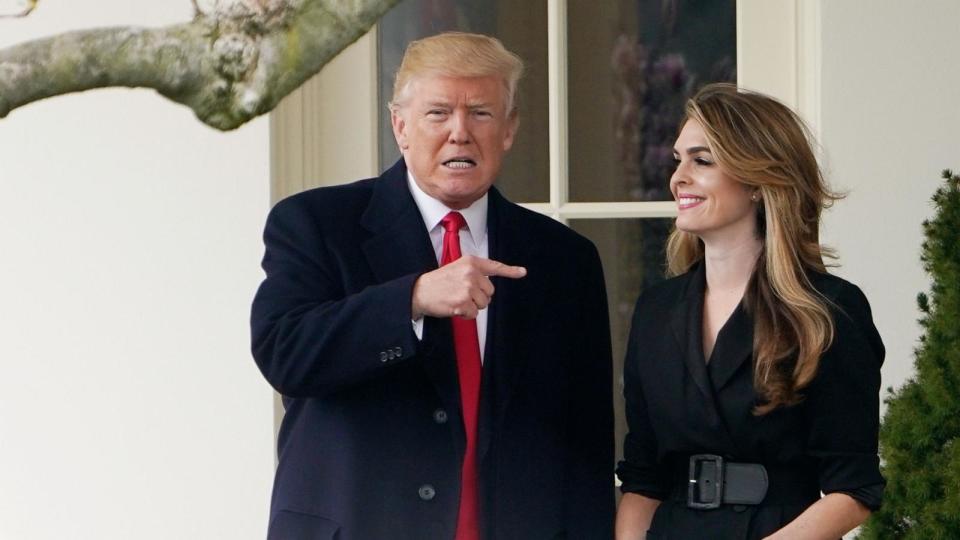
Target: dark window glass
x=632, y=65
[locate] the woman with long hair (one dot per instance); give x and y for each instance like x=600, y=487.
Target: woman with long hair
x=752, y=375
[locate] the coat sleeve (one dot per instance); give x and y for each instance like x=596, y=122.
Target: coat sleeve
x=639, y=472
x=308, y=336
x=589, y=498
x=843, y=404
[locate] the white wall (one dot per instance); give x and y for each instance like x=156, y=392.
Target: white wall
x=129, y=403
x=890, y=120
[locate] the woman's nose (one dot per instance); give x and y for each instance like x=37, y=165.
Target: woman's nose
x=679, y=175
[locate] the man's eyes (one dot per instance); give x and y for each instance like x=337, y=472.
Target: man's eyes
x=443, y=113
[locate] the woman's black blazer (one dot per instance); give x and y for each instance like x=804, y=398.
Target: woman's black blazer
x=678, y=405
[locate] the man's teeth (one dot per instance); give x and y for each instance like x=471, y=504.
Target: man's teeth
x=459, y=164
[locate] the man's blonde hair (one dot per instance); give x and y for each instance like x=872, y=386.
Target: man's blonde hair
x=457, y=54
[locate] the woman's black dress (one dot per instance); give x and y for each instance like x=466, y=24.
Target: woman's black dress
x=679, y=405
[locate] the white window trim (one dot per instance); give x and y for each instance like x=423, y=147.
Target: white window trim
x=778, y=52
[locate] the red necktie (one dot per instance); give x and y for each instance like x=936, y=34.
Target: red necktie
x=467, y=347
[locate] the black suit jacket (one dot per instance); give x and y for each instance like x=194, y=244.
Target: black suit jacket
x=678, y=405
x=372, y=439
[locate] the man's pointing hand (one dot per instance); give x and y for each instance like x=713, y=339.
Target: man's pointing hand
x=461, y=288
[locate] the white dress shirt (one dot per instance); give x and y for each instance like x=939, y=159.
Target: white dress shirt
x=473, y=240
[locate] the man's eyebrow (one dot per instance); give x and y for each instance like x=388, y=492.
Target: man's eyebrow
x=438, y=103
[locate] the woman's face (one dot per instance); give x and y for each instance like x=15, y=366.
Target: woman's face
x=710, y=203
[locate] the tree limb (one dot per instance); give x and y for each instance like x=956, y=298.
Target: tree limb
x=26, y=7
x=232, y=63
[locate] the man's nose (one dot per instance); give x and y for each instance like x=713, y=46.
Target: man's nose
x=459, y=128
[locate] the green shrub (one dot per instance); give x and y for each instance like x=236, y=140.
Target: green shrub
x=920, y=434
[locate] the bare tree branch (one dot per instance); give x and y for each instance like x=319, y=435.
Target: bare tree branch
x=16, y=8
x=236, y=60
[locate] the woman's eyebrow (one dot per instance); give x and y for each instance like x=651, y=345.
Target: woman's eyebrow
x=693, y=150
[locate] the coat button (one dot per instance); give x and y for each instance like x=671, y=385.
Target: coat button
x=440, y=416
x=383, y=356
x=398, y=351
x=391, y=354
x=427, y=492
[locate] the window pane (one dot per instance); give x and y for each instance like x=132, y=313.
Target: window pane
x=632, y=251
x=632, y=65
x=522, y=27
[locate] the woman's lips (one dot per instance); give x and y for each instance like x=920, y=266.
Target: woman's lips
x=686, y=202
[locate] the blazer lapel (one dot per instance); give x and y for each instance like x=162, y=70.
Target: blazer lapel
x=733, y=348
x=399, y=245
x=686, y=320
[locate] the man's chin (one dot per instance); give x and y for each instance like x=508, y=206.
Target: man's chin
x=471, y=176
x=458, y=203
x=463, y=188
x=458, y=200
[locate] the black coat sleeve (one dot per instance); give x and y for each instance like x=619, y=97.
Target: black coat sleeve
x=589, y=498
x=639, y=472
x=843, y=404
x=309, y=336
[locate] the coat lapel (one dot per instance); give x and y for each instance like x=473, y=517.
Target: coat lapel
x=734, y=347
x=686, y=321
x=399, y=245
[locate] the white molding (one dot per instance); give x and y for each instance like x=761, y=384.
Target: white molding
x=809, y=61
x=766, y=48
x=606, y=210
x=378, y=101
x=332, y=115
x=779, y=52
x=557, y=85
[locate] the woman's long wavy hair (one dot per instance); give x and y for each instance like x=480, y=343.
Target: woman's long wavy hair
x=763, y=144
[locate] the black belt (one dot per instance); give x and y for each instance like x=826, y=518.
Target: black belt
x=711, y=481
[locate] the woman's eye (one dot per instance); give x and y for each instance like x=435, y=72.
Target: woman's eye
x=703, y=161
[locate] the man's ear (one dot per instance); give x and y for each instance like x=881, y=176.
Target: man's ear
x=399, y=128
x=513, y=122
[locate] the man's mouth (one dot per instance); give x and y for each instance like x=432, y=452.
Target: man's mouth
x=460, y=163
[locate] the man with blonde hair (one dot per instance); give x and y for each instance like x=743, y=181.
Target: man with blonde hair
x=443, y=354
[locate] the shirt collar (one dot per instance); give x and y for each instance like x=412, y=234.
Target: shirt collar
x=433, y=211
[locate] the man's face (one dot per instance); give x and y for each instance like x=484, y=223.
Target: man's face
x=453, y=133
